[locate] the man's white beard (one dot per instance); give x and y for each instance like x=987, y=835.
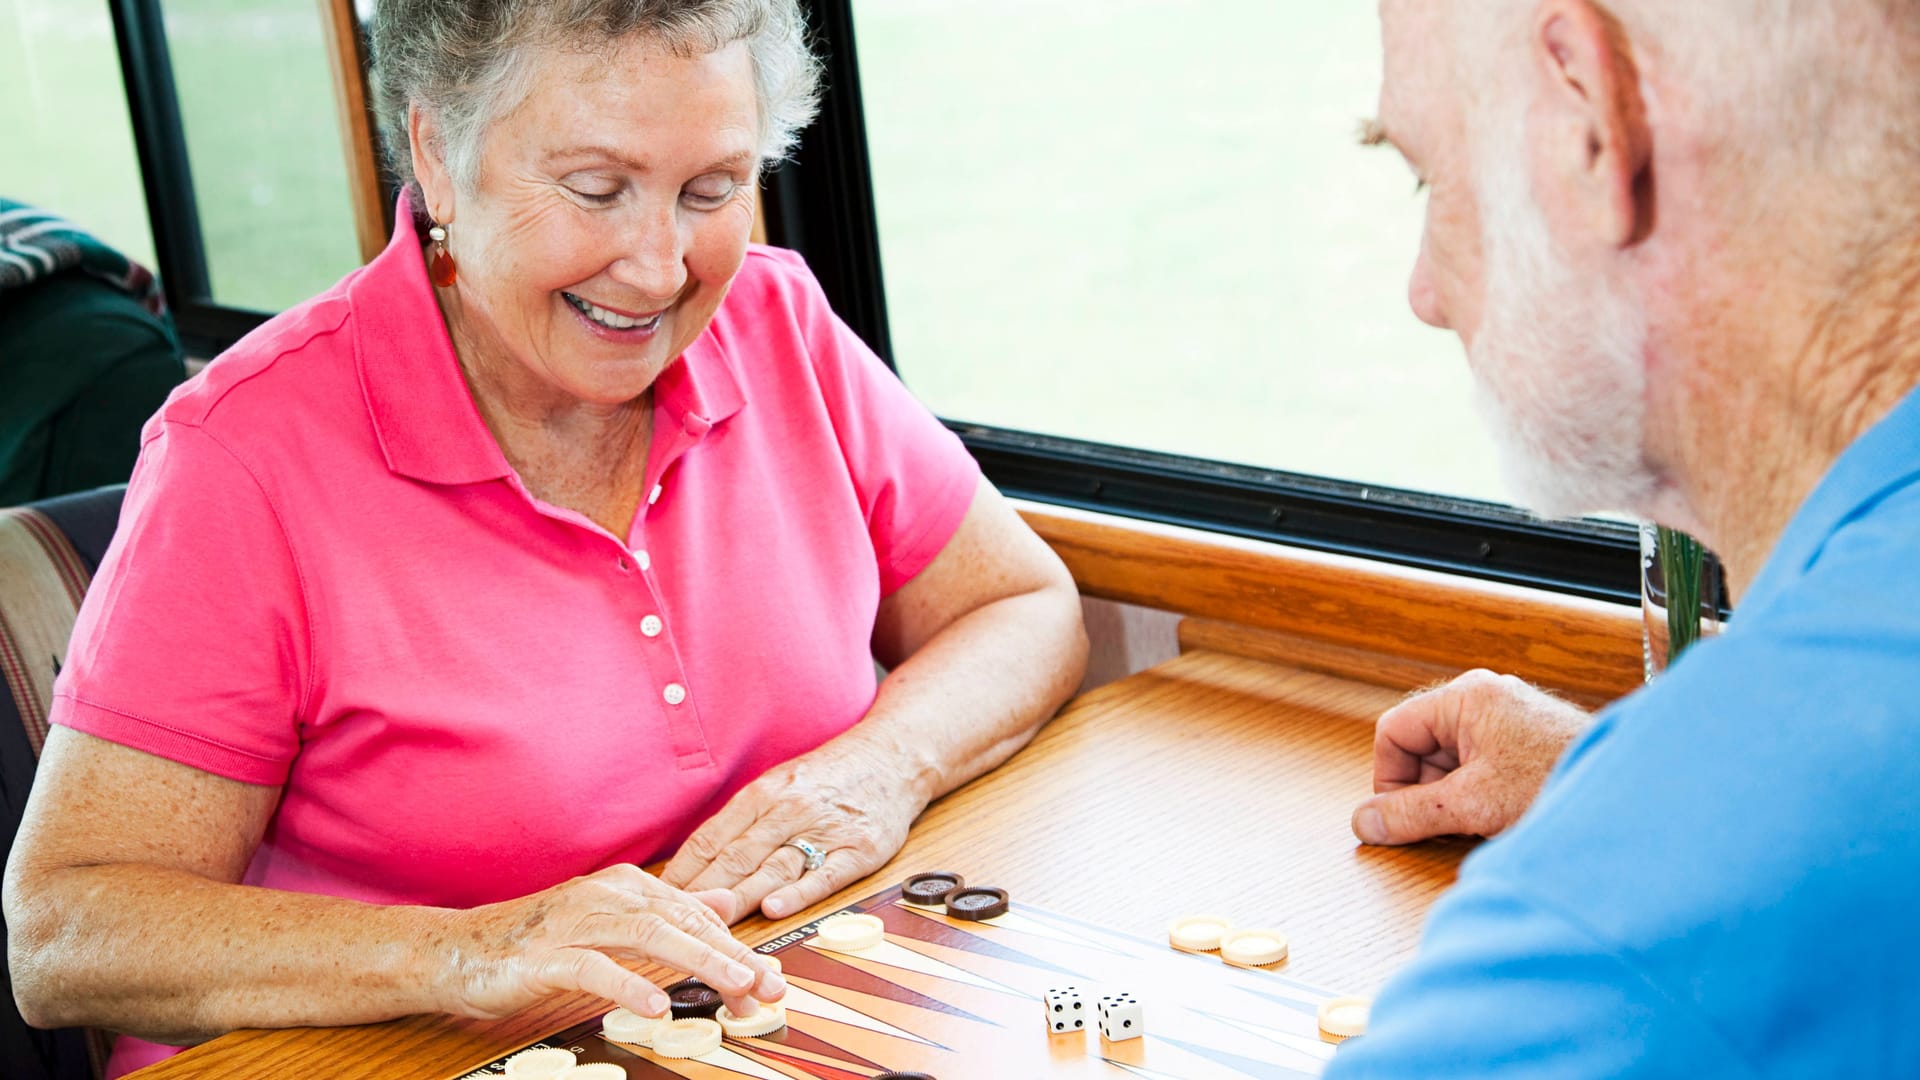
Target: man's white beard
x=1558, y=362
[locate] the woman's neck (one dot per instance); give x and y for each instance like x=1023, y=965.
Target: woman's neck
x=586, y=456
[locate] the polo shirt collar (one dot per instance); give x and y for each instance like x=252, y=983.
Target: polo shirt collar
x=1883, y=461
x=424, y=415
x=699, y=389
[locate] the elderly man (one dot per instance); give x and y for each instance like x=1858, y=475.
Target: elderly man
x=1680, y=242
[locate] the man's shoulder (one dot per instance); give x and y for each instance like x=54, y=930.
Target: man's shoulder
x=1740, y=833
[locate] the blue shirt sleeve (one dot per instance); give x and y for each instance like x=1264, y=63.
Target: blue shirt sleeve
x=1508, y=986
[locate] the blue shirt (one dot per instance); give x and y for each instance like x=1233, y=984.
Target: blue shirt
x=1723, y=877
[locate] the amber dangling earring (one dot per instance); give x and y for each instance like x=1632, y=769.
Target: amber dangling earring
x=440, y=268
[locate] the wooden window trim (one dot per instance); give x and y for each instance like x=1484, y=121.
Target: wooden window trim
x=1402, y=626
x=359, y=140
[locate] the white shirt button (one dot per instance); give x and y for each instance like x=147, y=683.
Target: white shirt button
x=651, y=626
x=674, y=693
x=654, y=495
x=646, y=561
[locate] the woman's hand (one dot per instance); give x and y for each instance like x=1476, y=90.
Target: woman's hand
x=981, y=647
x=1466, y=758
x=849, y=799
x=504, y=957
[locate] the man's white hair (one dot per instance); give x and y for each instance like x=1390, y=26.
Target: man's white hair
x=1782, y=94
x=1774, y=86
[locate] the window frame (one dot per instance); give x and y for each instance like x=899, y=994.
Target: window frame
x=206, y=326
x=823, y=206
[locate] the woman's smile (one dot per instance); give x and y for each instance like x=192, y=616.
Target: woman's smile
x=613, y=324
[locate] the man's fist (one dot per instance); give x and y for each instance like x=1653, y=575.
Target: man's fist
x=1466, y=758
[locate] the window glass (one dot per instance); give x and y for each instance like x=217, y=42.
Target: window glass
x=263, y=141
x=1148, y=223
x=68, y=146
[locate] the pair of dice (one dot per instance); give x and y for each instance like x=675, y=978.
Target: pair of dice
x=1118, y=1015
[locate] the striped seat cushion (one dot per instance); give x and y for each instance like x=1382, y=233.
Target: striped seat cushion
x=48, y=553
x=42, y=579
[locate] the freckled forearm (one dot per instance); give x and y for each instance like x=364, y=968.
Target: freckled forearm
x=172, y=957
x=980, y=689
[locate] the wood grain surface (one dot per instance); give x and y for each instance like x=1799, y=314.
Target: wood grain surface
x=1210, y=783
x=1586, y=648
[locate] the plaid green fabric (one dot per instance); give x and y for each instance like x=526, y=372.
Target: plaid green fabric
x=36, y=244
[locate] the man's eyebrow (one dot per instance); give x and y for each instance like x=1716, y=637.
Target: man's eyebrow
x=1372, y=132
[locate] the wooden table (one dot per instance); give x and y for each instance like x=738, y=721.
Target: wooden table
x=1209, y=783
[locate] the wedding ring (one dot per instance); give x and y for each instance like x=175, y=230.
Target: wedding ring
x=816, y=857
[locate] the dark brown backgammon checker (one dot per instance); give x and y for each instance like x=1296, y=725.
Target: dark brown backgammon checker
x=961, y=999
x=930, y=890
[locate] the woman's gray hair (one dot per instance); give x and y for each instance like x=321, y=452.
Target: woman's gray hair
x=467, y=63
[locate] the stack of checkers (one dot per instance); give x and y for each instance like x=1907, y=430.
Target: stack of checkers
x=1241, y=947
x=697, y=1024
x=948, y=890
x=548, y=1063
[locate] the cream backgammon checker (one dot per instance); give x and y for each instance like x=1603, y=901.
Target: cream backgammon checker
x=887, y=986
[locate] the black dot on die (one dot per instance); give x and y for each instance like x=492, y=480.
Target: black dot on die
x=1126, y=1023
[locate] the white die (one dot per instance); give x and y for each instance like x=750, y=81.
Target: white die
x=1065, y=1010
x=1120, y=1017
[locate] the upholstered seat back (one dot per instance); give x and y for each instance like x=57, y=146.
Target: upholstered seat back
x=48, y=553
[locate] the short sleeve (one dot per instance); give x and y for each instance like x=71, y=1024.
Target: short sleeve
x=915, y=479
x=191, y=643
x=1505, y=985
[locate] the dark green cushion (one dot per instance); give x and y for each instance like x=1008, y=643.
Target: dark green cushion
x=82, y=367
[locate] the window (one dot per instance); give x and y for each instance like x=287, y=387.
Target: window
x=69, y=146
x=257, y=168
x=1149, y=224
x=262, y=141
x=1131, y=252
x=1128, y=249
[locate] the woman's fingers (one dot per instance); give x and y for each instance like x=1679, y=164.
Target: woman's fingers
x=749, y=852
x=843, y=867
x=598, y=974
x=724, y=905
x=710, y=839
x=783, y=867
x=712, y=956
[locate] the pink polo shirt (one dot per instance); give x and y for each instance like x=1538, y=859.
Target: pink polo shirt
x=327, y=577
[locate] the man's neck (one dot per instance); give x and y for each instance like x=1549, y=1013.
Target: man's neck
x=1761, y=431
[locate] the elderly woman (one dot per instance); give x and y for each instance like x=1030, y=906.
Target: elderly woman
x=559, y=539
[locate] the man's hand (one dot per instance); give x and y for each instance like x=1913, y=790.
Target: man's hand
x=1466, y=758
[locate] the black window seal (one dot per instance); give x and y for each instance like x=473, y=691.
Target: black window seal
x=153, y=105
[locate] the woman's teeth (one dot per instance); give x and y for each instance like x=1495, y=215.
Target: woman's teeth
x=610, y=320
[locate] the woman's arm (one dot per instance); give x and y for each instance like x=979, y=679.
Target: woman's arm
x=123, y=912
x=984, y=645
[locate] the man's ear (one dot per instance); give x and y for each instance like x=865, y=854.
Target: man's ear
x=1593, y=139
x=429, y=166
